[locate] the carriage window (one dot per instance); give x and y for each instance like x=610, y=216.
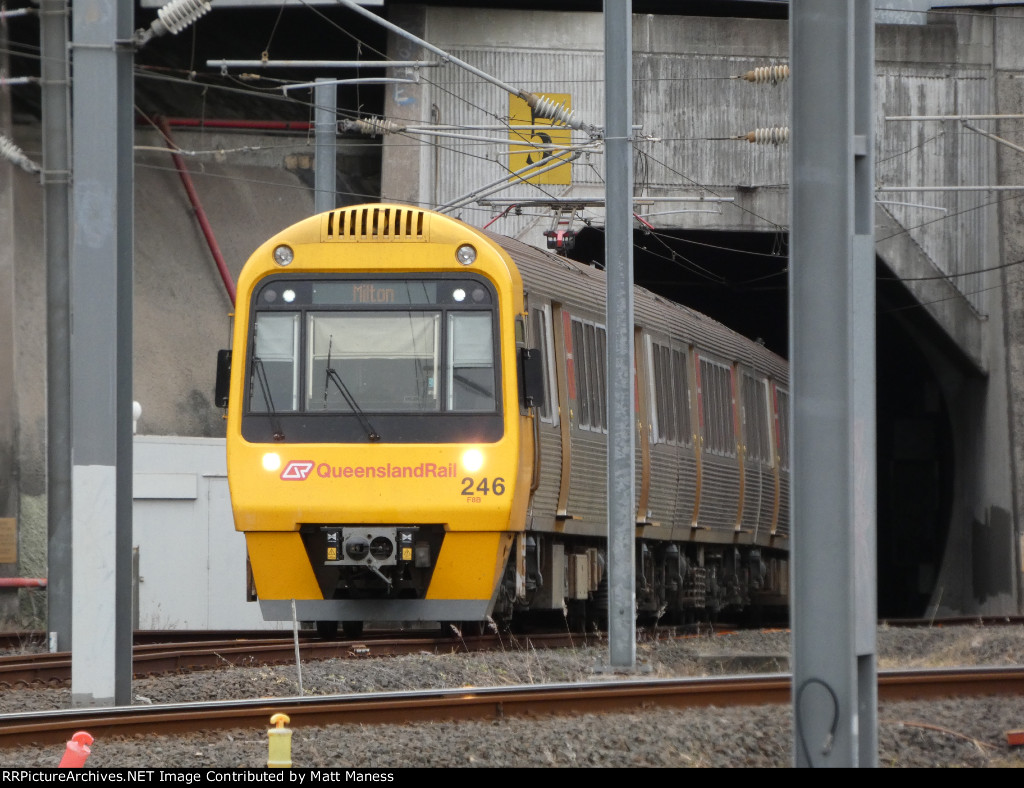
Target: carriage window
x=670, y=392
x=755, y=419
x=589, y=342
x=782, y=426
x=471, y=361
x=717, y=408
x=274, y=374
x=384, y=361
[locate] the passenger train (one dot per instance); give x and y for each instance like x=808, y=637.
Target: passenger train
x=417, y=432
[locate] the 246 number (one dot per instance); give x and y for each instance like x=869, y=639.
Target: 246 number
x=483, y=487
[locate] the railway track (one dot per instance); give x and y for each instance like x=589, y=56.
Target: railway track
x=479, y=703
x=158, y=658
x=159, y=652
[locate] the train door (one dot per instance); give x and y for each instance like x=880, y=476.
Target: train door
x=721, y=480
x=587, y=343
x=780, y=409
x=643, y=403
x=548, y=438
x=674, y=467
x=562, y=341
x=759, y=488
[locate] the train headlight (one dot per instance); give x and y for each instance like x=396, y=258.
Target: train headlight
x=472, y=460
x=271, y=461
x=283, y=255
x=466, y=254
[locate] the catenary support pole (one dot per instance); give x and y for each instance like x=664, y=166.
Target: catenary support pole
x=832, y=352
x=53, y=34
x=101, y=353
x=618, y=244
x=325, y=172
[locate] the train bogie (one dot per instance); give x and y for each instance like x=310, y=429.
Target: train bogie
x=417, y=431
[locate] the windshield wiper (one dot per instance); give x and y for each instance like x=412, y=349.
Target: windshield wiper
x=333, y=376
x=371, y=433
x=261, y=378
x=473, y=385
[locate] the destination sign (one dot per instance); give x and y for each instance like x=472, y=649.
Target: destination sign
x=375, y=292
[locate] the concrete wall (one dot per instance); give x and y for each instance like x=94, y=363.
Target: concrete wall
x=687, y=105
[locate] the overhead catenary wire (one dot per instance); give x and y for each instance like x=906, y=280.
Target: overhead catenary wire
x=956, y=117
x=353, y=81
x=543, y=106
x=506, y=181
x=739, y=77
x=376, y=126
x=500, y=127
x=226, y=64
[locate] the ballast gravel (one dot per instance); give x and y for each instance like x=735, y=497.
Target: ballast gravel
x=968, y=733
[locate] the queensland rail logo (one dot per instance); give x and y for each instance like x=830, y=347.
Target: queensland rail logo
x=297, y=470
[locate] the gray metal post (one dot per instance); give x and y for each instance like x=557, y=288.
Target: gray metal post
x=832, y=346
x=326, y=122
x=101, y=353
x=53, y=28
x=618, y=244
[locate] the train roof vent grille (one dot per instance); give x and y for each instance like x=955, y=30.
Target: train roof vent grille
x=375, y=223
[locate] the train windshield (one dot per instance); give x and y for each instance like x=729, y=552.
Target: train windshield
x=387, y=346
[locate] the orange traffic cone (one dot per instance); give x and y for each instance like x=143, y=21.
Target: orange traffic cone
x=77, y=751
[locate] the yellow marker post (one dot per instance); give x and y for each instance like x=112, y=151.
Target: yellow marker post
x=280, y=741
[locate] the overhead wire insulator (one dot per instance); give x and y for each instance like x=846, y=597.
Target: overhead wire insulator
x=775, y=135
x=766, y=75
x=15, y=155
x=179, y=14
x=374, y=126
x=549, y=109
x=173, y=18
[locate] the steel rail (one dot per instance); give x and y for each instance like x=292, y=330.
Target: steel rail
x=150, y=659
x=480, y=703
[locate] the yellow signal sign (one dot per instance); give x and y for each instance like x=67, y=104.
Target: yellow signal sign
x=521, y=114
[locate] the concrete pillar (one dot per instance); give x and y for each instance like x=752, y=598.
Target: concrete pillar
x=1009, y=99
x=407, y=174
x=8, y=401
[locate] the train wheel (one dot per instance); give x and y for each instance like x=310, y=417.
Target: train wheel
x=352, y=629
x=327, y=630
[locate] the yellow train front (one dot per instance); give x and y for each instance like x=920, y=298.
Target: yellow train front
x=379, y=441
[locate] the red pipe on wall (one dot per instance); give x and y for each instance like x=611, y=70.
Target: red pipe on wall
x=186, y=179
x=22, y=582
x=253, y=125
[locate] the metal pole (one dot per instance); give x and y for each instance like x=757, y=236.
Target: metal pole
x=53, y=28
x=832, y=345
x=618, y=240
x=325, y=196
x=101, y=354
